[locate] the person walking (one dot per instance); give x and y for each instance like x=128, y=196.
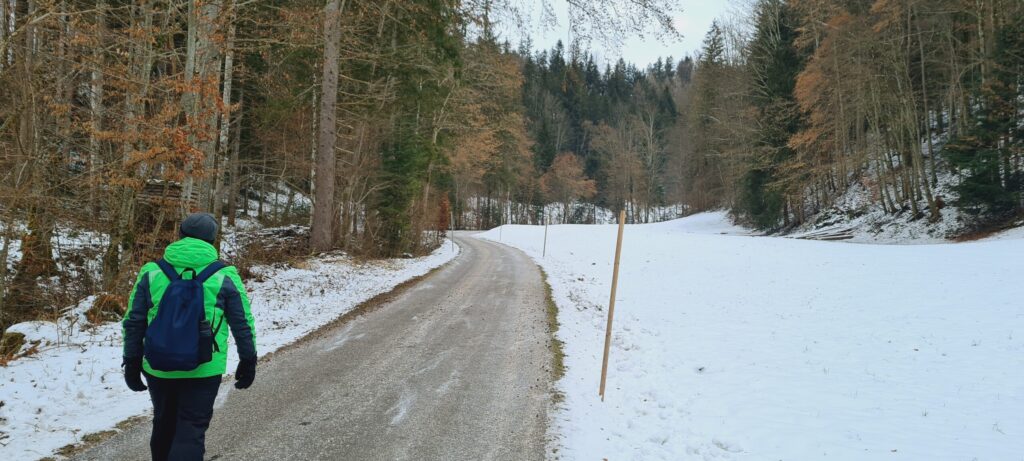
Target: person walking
x=174, y=336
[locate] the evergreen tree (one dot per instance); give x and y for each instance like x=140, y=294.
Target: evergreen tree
x=988, y=155
x=705, y=162
x=773, y=65
x=410, y=148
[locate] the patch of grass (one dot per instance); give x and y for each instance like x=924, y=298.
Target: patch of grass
x=107, y=307
x=10, y=343
x=132, y=421
x=68, y=450
x=97, y=437
x=302, y=264
x=91, y=440
x=557, y=352
x=88, y=440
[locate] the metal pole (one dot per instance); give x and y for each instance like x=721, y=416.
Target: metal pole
x=611, y=303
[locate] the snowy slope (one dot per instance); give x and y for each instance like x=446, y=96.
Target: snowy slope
x=732, y=347
x=74, y=385
x=859, y=213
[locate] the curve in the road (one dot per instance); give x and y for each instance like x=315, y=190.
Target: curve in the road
x=454, y=368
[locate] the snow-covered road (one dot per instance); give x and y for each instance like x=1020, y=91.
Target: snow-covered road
x=761, y=348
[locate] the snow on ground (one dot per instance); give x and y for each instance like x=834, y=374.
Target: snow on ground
x=73, y=386
x=732, y=347
x=858, y=212
x=67, y=242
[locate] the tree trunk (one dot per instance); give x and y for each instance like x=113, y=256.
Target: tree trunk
x=224, y=147
x=982, y=51
x=234, y=184
x=5, y=251
x=96, y=105
x=202, y=74
x=5, y=16
x=323, y=204
x=262, y=190
x=122, y=234
x=314, y=133
x=37, y=252
x=189, y=97
x=208, y=73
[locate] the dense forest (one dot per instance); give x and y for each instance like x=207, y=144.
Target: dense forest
x=377, y=123
x=363, y=122
x=903, y=98
x=782, y=111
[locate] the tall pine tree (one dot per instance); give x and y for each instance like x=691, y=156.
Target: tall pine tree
x=773, y=66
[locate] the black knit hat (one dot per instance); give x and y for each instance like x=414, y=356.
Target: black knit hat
x=202, y=226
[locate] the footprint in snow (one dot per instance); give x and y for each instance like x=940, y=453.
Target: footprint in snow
x=731, y=448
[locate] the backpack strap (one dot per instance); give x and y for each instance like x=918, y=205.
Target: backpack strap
x=168, y=269
x=210, y=270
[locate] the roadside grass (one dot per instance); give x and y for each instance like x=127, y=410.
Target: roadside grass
x=95, y=438
x=557, y=352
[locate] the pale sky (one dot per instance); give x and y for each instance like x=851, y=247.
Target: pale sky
x=692, y=23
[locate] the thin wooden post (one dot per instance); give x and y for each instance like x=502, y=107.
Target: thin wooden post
x=451, y=228
x=611, y=302
x=544, y=253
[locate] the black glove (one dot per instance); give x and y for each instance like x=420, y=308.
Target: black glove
x=133, y=373
x=245, y=373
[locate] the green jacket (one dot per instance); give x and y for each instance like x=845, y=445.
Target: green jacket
x=224, y=296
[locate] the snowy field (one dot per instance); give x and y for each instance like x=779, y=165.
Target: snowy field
x=73, y=386
x=733, y=347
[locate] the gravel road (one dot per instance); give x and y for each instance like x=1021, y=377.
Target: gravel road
x=456, y=367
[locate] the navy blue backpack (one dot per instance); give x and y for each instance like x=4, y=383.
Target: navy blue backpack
x=180, y=338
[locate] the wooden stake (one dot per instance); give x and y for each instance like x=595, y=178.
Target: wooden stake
x=544, y=253
x=451, y=228
x=611, y=303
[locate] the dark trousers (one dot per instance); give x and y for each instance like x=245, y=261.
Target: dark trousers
x=182, y=409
